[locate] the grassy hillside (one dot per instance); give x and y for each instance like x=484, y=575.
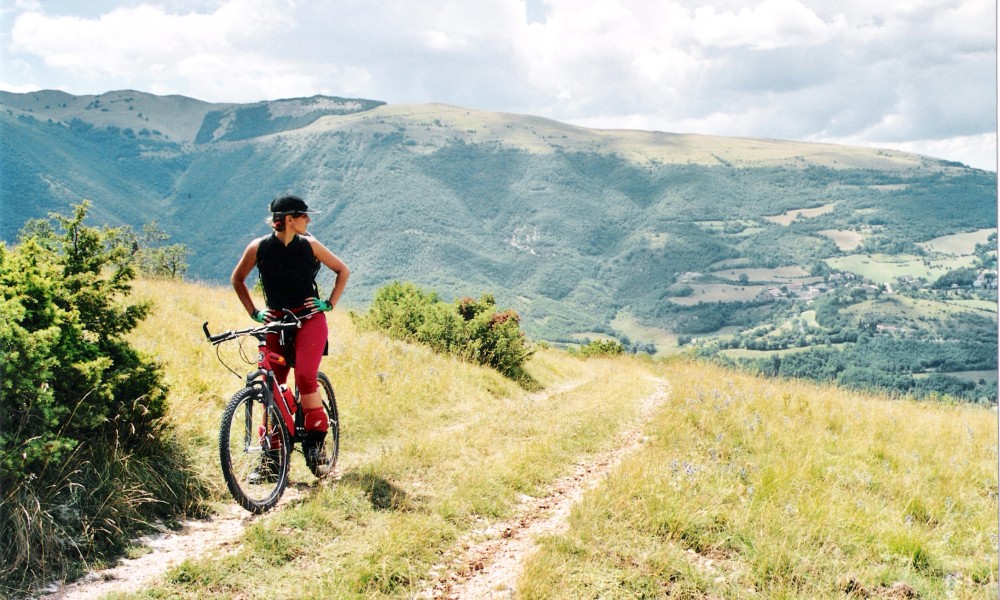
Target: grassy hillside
x=743, y=488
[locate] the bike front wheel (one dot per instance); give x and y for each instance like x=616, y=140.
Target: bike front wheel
x=321, y=460
x=254, y=451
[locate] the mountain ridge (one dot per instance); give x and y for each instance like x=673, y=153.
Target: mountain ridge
x=573, y=227
x=638, y=145
x=644, y=147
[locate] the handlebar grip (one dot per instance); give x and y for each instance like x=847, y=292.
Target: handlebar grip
x=215, y=339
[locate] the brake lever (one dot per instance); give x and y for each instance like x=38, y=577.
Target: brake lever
x=298, y=321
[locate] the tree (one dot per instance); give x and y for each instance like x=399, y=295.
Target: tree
x=79, y=403
x=67, y=368
x=157, y=259
x=147, y=251
x=601, y=348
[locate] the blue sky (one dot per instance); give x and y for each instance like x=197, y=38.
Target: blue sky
x=918, y=75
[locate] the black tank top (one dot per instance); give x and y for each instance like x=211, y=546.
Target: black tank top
x=287, y=273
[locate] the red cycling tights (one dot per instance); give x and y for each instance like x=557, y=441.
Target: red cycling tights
x=310, y=341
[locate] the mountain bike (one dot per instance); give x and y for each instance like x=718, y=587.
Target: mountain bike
x=263, y=421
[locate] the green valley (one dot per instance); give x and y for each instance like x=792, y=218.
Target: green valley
x=663, y=241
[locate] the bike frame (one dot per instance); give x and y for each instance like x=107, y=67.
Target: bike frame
x=263, y=379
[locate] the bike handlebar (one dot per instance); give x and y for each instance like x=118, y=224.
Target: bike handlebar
x=289, y=321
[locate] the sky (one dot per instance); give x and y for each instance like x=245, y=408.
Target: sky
x=912, y=75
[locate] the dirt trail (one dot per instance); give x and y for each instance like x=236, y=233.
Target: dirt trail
x=167, y=549
x=486, y=563
x=171, y=548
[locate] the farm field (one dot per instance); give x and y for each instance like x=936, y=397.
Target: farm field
x=807, y=318
x=665, y=341
x=983, y=305
x=959, y=243
x=744, y=353
x=884, y=268
x=791, y=274
x=787, y=217
x=915, y=308
x=967, y=375
x=845, y=239
x=749, y=227
x=719, y=292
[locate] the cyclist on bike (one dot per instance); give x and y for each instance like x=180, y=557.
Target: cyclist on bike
x=288, y=261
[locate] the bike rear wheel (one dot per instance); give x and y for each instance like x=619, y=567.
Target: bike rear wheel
x=254, y=451
x=322, y=460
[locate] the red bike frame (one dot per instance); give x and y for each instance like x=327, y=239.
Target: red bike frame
x=264, y=378
x=265, y=372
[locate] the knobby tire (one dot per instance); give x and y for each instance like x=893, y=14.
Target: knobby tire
x=255, y=478
x=330, y=449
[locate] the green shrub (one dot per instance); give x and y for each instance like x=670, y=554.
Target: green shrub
x=469, y=328
x=601, y=348
x=85, y=459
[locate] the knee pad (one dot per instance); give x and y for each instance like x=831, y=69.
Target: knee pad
x=315, y=420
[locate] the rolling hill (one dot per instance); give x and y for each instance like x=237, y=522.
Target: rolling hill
x=585, y=232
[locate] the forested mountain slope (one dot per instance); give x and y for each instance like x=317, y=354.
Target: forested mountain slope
x=657, y=239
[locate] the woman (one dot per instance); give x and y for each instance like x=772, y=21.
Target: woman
x=288, y=261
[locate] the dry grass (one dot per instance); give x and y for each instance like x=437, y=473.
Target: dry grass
x=431, y=448
x=765, y=489
x=747, y=488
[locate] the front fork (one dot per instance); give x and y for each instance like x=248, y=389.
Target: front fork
x=292, y=419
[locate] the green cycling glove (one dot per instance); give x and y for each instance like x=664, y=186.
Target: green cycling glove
x=322, y=305
x=259, y=316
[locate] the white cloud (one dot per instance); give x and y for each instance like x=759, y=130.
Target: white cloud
x=979, y=151
x=149, y=45
x=770, y=24
x=898, y=72
x=609, y=55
